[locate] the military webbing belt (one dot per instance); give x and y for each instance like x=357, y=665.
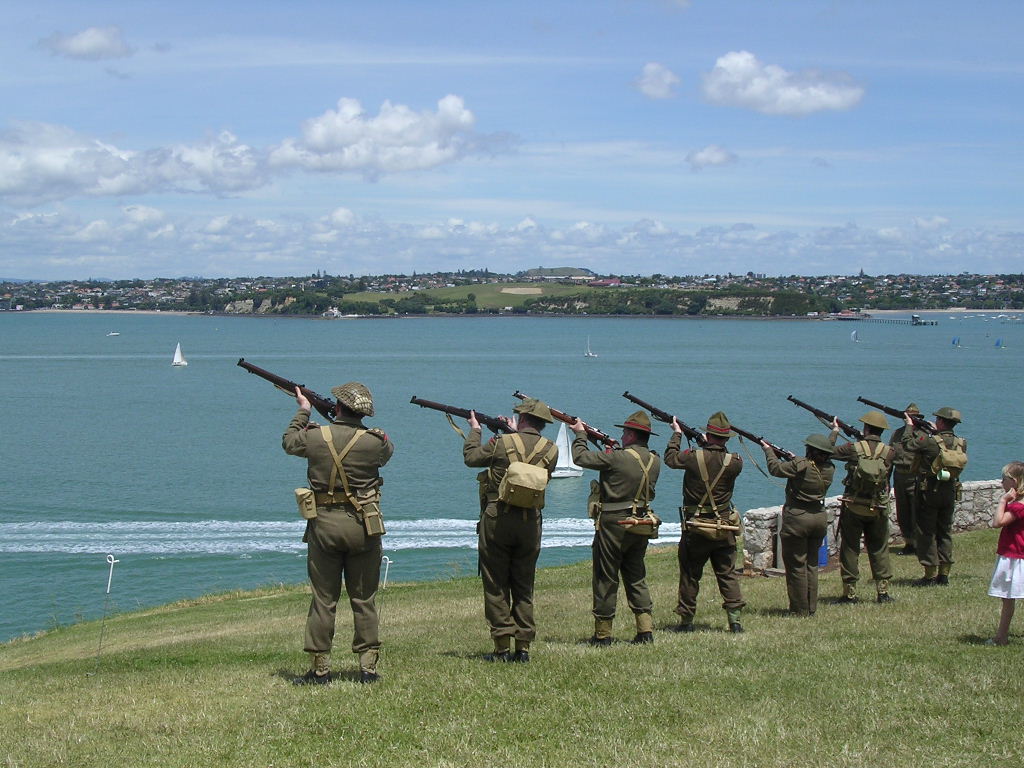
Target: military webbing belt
x=709, y=487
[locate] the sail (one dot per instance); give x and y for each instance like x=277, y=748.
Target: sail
x=179, y=359
x=565, y=467
x=588, y=353
x=853, y=336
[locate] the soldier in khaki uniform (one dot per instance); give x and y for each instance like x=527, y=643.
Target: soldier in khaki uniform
x=509, y=537
x=864, y=512
x=625, y=489
x=937, y=494
x=803, y=518
x=904, y=486
x=339, y=544
x=708, y=479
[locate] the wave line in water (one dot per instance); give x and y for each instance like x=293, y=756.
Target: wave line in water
x=249, y=536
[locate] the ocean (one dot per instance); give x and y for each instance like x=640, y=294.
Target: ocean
x=179, y=473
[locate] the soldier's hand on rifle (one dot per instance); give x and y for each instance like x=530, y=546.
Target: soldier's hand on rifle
x=835, y=424
x=764, y=444
x=675, y=426
x=507, y=420
x=578, y=426
x=302, y=400
x=473, y=423
x=909, y=421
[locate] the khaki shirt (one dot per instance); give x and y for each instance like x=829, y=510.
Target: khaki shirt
x=904, y=461
x=361, y=464
x=694, y=488
x=807, y=482
x=921, y=444
x=621, y=475
x=494, y=455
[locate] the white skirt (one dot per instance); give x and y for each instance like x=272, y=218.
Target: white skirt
x=1008, y=578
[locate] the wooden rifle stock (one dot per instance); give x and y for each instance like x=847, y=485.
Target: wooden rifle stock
x=325, y=407
x=596, y=436
x=919, y=421
x=782, y=453
x=493, y=423
x=848, y=429
x=665, y=416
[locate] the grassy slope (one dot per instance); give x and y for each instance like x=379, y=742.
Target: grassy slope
x=205, y=683
x=488, y=295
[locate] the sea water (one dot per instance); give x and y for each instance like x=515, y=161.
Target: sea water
x=179, y=473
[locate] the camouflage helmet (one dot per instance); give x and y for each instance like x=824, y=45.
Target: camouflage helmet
x=638, y=421
x=356, y=397
x=820, y=443
x=875, y=419
x=952, y=415
x=912, y=408
x=719, y=426
x=533, y=407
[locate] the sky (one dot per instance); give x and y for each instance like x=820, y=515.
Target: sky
x=150, y=139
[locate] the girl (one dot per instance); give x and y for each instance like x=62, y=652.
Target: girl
x=1008, y=578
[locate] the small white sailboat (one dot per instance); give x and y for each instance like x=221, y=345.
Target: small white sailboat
x=179, y=360
x=114, y=333
x=853, y=337
x=588, y=353
x=565, y=466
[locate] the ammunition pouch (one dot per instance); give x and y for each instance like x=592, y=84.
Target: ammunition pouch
x=305, y=498
x=642, y=523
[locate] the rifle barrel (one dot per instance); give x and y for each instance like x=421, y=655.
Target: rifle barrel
x=593, y=434
x=665, y=416
x=919, y=421
x=848, y=429
x=779, y=451
x=323, y=405
x=493, y=423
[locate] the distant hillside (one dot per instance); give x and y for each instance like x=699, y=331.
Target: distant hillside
x=558, y=272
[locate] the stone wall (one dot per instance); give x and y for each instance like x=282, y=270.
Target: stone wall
x=974, y=510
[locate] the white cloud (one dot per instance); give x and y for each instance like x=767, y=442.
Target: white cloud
x=397, y=139
x=58, y=244
x=92, y=44
x=930, y=223
x=141, y=214
x=41, y=162
x=711, y=155
x=657, y=81
x=740, y=80
x=342, y=217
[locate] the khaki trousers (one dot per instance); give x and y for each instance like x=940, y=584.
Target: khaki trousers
x=936, y=505
x=802, y=534
x=339, y=549
x=875, y=532
x=615, y=551
x=509, y=544
x=694, y=551
x=904, y=491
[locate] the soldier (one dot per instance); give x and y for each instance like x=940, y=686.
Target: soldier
x=709, y=476
x=625, y=490
x=864, y=508
x=941, y=458
x=904, y=486
x=804, y=523
x=344, y=537
x=509, y=536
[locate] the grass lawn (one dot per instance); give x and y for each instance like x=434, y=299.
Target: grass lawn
x=206, y=683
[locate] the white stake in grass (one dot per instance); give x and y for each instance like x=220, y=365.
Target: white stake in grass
x=103, y=623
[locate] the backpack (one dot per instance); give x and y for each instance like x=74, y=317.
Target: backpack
x=869, y=477
x=950, y=460
x=524, y=482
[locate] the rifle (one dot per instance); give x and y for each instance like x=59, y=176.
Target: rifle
x=920, y=422
x=665, y=416
x=782, y=453
x=493, y=423
x=826, y=418
x=595, y=435
x=321, y=403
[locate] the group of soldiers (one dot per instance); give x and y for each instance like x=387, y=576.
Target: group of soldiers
x=344, y=459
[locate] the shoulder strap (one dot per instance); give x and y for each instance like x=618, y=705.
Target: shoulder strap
x=338, y=468
x=709, y=487
x=643, y=492
x=520, y=447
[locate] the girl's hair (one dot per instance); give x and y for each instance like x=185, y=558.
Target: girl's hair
x=1015, y=471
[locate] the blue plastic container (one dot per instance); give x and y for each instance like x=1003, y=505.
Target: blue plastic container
x=823, y=553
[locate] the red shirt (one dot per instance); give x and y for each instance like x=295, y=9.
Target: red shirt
x=1011, y=537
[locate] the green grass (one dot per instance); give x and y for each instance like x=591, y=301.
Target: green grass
x=205, y=683
x=488, y=295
